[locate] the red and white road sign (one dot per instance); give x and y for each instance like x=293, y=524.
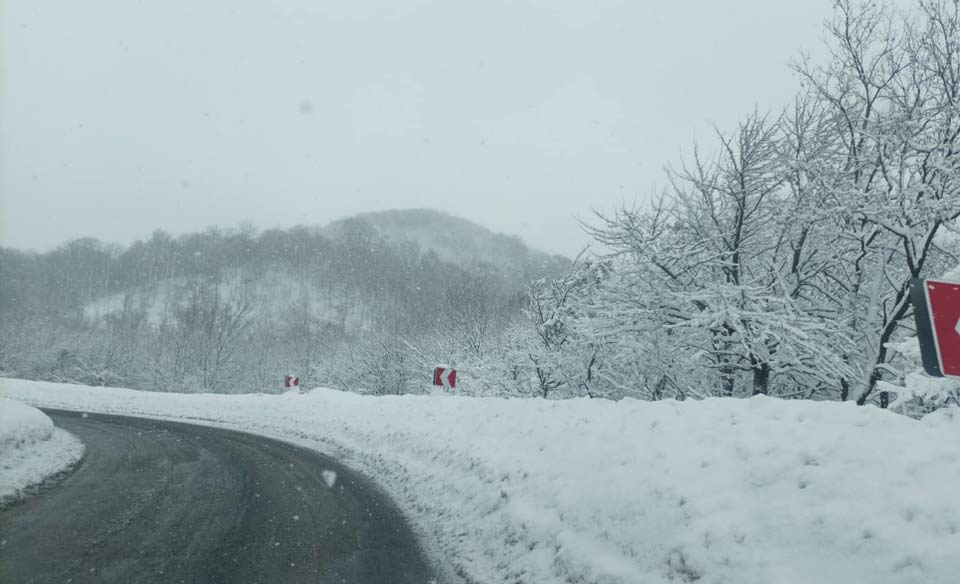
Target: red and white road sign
x=291, y=381
x=445, y=376
x=938, y=325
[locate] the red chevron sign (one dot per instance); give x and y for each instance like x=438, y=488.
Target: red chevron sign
x=445, y=376
x=937, y=310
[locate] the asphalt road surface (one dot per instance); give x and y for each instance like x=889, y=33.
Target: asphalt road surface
x=157, y=501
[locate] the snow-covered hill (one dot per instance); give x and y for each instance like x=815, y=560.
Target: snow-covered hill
x=721, y=491
x=455, y=240
x=349, y=269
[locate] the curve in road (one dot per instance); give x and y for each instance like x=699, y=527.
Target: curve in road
x=157, y=501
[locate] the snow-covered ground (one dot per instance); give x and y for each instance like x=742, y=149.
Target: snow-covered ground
x=31, y=449
x=757, y=491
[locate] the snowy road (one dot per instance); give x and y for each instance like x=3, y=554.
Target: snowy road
x=167, y=502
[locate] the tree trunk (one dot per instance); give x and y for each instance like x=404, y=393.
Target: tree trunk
x=874, y=376
x=727, y=380
x=761, y=379
x=659, y=388
x=903, y=301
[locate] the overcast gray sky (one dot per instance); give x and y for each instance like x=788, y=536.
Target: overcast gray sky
x=120, y=116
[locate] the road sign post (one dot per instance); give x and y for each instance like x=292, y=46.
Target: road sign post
x=937, y=313
x=291, y=382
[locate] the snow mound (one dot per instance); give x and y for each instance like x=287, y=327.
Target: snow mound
x=31, y=449
x=721, y=491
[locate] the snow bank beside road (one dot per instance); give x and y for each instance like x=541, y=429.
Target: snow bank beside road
x=721, y=491
x=31, y=449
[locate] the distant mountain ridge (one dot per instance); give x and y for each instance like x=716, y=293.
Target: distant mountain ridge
x=404, y=260
x=455, y=240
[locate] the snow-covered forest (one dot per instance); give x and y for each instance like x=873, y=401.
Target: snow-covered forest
x=776, y=261
x=233, y=310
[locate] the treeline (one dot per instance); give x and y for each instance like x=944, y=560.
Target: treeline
x=233, y=310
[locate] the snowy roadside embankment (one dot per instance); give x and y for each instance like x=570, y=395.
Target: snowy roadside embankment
x=758, y=491
x=31, y=449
